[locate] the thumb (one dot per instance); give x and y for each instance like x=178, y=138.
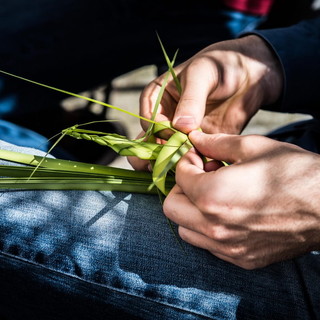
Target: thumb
x=192, y=104
x=228, y=147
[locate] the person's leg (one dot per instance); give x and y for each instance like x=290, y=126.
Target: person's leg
x=111, y=255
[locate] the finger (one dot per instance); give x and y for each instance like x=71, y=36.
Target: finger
x=191, y=177
x=148, y=99
x=191, y=108
x=147, y=102
x=179, y=209
x=230, y=148
x=212, y=165
x=203, y=242
x=216, y=248
x=138, y=164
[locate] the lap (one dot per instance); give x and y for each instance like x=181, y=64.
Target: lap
x=71, y=254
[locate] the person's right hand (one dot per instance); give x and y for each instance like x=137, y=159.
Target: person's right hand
x=223, y=86
x=261, y=209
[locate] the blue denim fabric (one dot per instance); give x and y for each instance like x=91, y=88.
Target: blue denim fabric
x=22, y=136
x=108, y=255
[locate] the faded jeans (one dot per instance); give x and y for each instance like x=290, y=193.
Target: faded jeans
x=112, y=255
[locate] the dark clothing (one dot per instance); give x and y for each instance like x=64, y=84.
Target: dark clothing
x=298, y=48
x=79, y=45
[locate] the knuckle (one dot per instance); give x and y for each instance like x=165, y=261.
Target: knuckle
x=249, y=262
x=216, y=202
x=217, y=233
x=248, y=144
x=238, y=252
x=201, y=61
x=169, y=206
x=205, y=202
x=184, y=234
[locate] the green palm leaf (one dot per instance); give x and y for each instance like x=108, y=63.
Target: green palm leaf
x=47, y=173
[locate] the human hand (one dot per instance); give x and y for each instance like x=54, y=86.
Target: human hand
x=261, y=209
x=223, y=86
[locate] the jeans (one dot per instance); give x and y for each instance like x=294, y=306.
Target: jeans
x=113, y=255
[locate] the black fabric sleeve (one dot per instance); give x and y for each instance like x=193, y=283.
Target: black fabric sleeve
x=298, y=49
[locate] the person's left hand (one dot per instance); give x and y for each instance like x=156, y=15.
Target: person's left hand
x=263, y=208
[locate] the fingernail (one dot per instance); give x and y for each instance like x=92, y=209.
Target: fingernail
x=185, y=121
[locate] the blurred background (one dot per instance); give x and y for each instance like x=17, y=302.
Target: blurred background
x=108, y=50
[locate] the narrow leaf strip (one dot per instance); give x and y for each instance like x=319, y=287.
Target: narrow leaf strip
x=159, y=97
x=76, y=184
x=71, y=175
x=122, y=145
x=66, y=165
x=176, y=80
x=78, y=96
x=170, y=154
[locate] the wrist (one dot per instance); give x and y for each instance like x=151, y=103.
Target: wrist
x=265, y=68
x=309, y=197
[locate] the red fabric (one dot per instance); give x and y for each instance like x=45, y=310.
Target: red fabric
x=257, y=7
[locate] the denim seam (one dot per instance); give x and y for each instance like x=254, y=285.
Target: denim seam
x=129, y=292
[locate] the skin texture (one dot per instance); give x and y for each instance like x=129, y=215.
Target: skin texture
x=223, y=87
x=261, y=209
x=264, y=207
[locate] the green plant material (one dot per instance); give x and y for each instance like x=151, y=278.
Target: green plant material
x=177, y=145
x=49, y=173
x=159, y=97
x=87, y=183
x=120, y=144
x=78, y=96
x=165, y=155
x=57, y=174
x=170, y=66
x=46, y=155
x=66, y=165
